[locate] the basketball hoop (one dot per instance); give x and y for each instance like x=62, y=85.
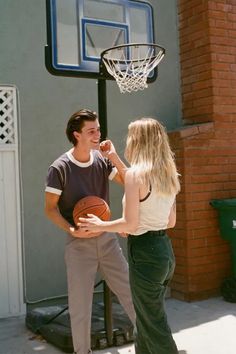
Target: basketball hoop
x=131, y=64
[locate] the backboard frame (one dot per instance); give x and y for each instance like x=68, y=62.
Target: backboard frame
x=58, y=69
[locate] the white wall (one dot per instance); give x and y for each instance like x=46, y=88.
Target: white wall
x=46, y=104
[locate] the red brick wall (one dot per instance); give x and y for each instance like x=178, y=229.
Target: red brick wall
x=195, y=59
x=205, y=147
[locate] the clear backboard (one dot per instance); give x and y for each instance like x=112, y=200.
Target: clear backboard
x=79, y=30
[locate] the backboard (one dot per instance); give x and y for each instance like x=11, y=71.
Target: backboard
x=79, y=30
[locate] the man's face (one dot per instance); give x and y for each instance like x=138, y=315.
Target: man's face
x=90, y=134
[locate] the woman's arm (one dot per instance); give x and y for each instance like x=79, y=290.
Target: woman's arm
x=172, y=216
x=128, y=222
x=108, y=150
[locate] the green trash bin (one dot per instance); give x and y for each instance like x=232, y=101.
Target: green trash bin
x=227, y=220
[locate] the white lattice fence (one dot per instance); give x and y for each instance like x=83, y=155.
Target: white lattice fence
x=11, y=278
x=7, y=115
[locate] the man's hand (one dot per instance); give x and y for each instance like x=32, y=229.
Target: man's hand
x=81, y=233
x=123, y=234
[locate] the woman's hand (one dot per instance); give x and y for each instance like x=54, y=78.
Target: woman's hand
x=91, y=224
x=107, y=148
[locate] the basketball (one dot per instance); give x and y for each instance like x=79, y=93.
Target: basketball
x=91, y=205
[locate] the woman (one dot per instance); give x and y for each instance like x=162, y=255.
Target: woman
x=151, y=185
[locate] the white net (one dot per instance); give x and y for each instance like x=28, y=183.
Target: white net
x=131, y=64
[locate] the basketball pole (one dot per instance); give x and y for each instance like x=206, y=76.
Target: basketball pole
x=102, y=107
x=108, y=313
x=102, y=114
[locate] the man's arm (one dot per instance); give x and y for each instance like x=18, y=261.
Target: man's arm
x=108, y=150
x=53, y=213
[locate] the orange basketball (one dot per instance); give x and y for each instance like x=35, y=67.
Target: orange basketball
x=91, y=205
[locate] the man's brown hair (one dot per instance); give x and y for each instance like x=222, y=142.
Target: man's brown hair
x=76, y=123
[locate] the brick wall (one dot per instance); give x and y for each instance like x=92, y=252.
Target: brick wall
x=205, y=147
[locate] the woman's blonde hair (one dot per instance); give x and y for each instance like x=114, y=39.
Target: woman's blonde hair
x=150, y=156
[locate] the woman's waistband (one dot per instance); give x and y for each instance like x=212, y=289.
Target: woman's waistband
x=154, y=233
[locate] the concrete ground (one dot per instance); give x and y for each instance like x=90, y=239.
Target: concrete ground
x=203, y=327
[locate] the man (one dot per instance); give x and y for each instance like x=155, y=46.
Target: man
x=80, y=172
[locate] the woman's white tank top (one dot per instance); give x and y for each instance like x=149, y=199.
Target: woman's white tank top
x=154, y=212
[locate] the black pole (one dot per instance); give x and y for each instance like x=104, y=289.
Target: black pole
x=108, y=314
x=102, y=114
x=102, y=107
